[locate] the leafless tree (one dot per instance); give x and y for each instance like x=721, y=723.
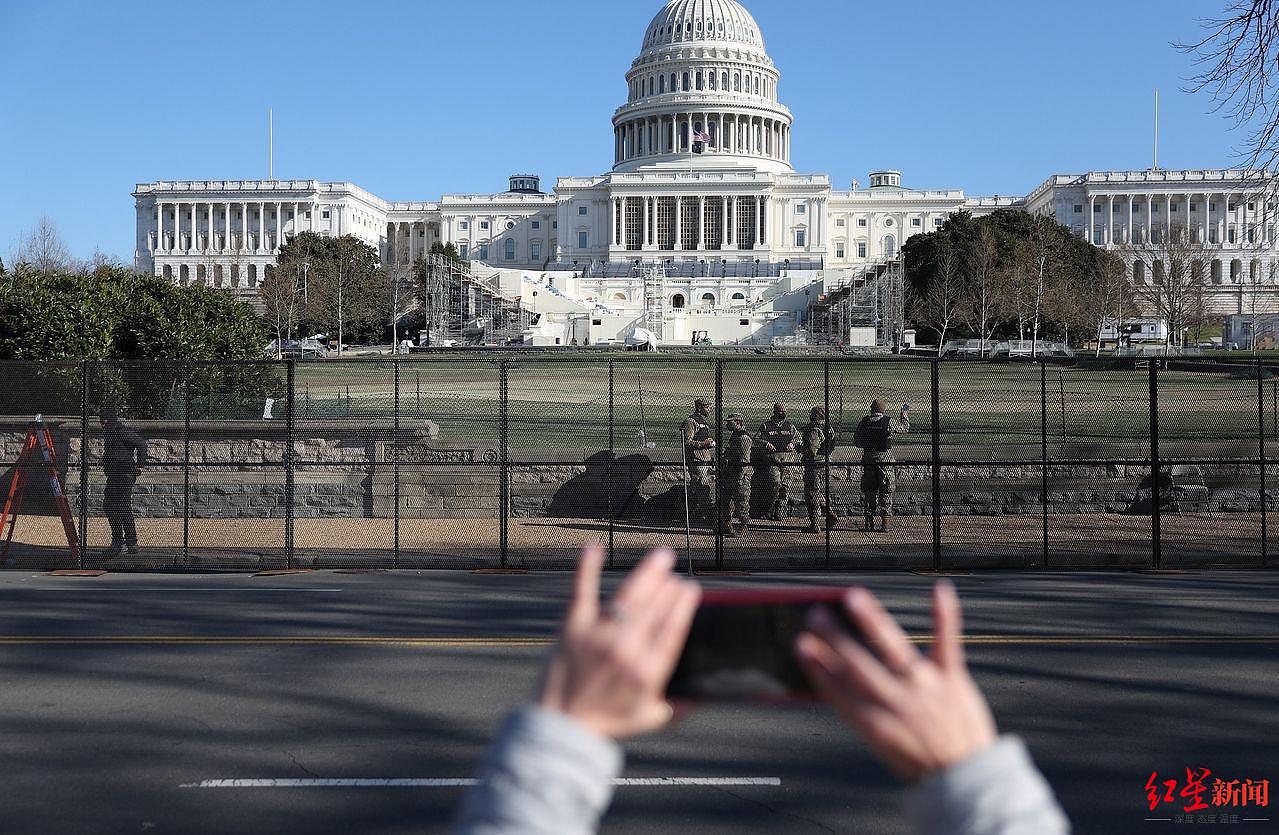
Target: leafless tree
x=42, y=249
x=1108, y=295
x=1174, y=286
x=281, y=295
x=1036, y=257
x=988, y=295
x=940, y=305
x=1237, y=59
x=401, y=294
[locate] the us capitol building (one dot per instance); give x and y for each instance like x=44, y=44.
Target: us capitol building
x=702, y=227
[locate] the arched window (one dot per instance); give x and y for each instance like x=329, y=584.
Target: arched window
x=677, y=301
x=674, y=84
x=1215, y=271
x=619, y=297
x=699, y=79
x=508, y=249
x=685, y=82
x=724, y=81
x=737, y=82
x=708, y=300
x=661, y=84
x=650, y=85
x=739, y=297
x=253, y=275
x=890, y=246
x=757, y=85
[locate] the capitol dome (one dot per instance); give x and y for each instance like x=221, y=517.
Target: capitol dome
x=702, y=94
x=703, y=20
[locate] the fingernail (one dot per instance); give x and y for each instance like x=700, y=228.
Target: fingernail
x=666, y=555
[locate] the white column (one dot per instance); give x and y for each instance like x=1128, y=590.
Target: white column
x=1168, y=216
x=1092, y=221
x=1110, y=219
x=262, y=227
x=1150, y=208
x=279, y=226
x=1128, y=228
x=679, y=223
x=159, y=225
x=647, y=203
x=701, y=223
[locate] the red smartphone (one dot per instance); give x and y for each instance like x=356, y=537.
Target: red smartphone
x=741, y=647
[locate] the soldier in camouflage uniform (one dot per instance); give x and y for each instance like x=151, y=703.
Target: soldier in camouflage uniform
x=699, y=457
x=778, y=436
x=816, y=446
x=879, y=481
x=735, y=484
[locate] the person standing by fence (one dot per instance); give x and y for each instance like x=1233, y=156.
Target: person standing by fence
x=879, y=480
x=735, y=498
x=778, y=436
x=124, y=454
x=817, y=445
x=699, y=455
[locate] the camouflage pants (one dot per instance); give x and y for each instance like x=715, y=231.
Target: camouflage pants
x=778, y=479
x=812, y=490
x=700, y=482
x=879, y=482
x=736, y=501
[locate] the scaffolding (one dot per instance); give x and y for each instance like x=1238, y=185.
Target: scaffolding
x=874, y=297
x=655, y=300
x=465, y=309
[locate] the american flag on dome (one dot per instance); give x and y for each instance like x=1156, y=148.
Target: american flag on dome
x=699, y=136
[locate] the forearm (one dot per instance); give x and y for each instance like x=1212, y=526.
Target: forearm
x=545, y=775
x=996, y=792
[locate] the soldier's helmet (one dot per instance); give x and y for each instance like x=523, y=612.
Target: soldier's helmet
x=700, y=404
x=779, y=410
x=734, y=418
x=817, y=414
x=877, y=407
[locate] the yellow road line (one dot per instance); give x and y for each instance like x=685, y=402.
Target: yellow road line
x=507, y=642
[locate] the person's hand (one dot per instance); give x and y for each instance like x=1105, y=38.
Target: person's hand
x=919, y=714
x=770, y=447
x=611, y=668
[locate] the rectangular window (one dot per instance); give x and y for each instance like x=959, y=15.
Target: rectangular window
x=861, y=250
x=325, y=215
x=801, y=237
x=1231, y=207
x=464, y=250
x=1252, y=207
x=914, y=221
x=839, y=250
x=537, y=224
x=937, y=221
x=484, y=252
x=1230, y=235
x=555, y=224
x=1175, y=207
x=800, y=209
x=581, y=210
x=840, y=222
x=861, y=221
x=484, y=224
x=1079, y=209
x=581, y=240
x=465, y=224
x=535, y=251
x=1194, y=207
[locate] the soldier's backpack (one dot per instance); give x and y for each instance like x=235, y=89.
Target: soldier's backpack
x=828, y=443
x=875, y=435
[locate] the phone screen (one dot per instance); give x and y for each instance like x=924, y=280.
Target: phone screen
x=741, y=647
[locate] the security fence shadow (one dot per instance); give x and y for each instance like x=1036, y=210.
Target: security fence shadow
x=513, y=460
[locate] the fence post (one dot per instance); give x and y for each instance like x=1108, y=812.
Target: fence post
x=1156, y=554
x=826, y=457
x=395, y=465
x=1043, y=451
x=289, y=464
x=186, y=464
x=936, y=397
x=719, y=475
x=504, y=462
x=84, y=460
x=612, y=453
x=1261, y=459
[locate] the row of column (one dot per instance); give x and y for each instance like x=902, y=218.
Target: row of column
x=731, y=133
x=1224, y=216
x=161, y=242
x=401, y=230
x=730, y=220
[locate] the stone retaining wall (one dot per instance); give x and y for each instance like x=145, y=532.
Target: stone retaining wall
x=238, y=472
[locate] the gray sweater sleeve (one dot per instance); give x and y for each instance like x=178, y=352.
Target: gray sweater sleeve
x=997, y=792
x=544, y=775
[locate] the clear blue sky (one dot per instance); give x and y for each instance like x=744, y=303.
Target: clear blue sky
x=414, y=99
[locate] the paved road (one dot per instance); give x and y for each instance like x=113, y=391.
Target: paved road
x=120, y=691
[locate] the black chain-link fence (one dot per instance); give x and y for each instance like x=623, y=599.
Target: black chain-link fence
x=512, y=461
